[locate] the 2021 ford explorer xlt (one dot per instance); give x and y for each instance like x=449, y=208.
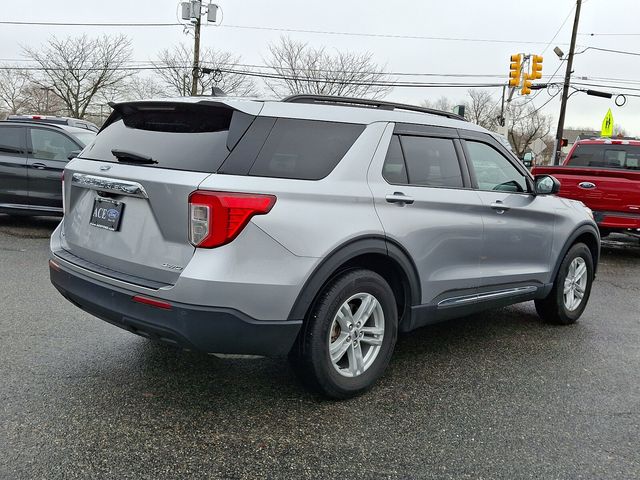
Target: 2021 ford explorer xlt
x=317, y=227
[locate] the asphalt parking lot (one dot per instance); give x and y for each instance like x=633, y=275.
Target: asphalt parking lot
x=497, y=395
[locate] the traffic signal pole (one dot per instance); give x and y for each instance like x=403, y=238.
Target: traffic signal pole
x=565, y=88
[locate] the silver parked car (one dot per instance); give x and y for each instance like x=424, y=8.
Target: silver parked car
x=318, y=227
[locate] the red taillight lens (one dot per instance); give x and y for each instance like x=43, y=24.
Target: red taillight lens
x=216, y=218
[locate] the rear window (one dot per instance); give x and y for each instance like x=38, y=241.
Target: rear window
x=304, y=149
x=606, y=156
x=179, y=137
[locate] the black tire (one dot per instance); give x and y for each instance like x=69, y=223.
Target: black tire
x=552, y=309
x=310, y=355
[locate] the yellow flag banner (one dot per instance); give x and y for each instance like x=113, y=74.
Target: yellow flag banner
x=607, y=125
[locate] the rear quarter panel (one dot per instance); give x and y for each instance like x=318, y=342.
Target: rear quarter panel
x=313, y=217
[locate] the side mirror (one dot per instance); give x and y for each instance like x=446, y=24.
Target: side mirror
x=547, y=185
x=73, y=154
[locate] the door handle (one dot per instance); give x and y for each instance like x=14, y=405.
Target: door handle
x=39, y=166
x=499, y=207
x=399, y=197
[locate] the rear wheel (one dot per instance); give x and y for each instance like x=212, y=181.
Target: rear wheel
x=348, y=338
x=570, y=293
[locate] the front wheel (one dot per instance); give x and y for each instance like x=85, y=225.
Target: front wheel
x=347, y=340
x=570, y=293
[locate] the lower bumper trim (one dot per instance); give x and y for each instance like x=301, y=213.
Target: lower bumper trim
x=206, y=329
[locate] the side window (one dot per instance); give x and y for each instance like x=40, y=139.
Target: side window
x=12, y=140
x=493, y=171
x=50, y=145
x=394, y=169
x=431, y=162
x=304, y=149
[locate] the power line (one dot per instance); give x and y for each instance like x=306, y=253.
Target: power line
x=276, y=29
x=143, y=64
x=581, y=84
x=609, y=50
x=610, y=34
x=384, y=35
x=559, y=30
x=93, y=24
x=385, y=83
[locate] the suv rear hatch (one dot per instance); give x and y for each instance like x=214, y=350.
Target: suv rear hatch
x=126, y=196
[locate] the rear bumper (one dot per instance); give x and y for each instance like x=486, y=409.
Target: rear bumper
x=207, y=329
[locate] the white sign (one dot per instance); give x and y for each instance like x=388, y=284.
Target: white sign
x=538, y=146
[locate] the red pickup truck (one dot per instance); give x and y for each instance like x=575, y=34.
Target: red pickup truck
x=605, y=175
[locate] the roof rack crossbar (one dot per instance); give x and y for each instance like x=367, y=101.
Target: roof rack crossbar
x=364, y=102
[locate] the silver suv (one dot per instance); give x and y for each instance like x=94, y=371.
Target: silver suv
x=318, y=227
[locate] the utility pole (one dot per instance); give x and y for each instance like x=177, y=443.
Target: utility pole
x=565, y=88
x=192, y=11
x=196, y=57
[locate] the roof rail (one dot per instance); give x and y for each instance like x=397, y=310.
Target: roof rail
x=363, y=102
x=40, y=124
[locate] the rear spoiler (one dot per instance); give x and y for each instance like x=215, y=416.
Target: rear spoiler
x=238, y=124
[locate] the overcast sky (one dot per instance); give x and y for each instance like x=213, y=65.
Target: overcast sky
x=520, y=23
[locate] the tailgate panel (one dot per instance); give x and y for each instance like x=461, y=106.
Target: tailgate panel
x=152, y=241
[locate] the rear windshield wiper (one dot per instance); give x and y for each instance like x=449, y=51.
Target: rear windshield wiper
x=132, y=157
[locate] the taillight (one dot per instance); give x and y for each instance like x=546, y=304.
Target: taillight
x=216, y=218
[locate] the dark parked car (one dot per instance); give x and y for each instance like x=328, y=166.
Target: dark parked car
x=32, y=158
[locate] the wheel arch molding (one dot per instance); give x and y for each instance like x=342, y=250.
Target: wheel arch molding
x=589, y=235
x=375, y=253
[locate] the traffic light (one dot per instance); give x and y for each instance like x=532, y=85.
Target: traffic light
x=536, y=67
x=515, y=70
x=526, y=84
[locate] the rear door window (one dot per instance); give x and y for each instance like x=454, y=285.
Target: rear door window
x=304, y=149
x=432, y=162
x=50, y=145
x=12, y=140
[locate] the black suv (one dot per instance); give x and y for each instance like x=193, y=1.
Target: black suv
x=32, y=158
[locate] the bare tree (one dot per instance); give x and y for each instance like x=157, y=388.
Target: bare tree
x=141, y=87
x=43, y=100
x=619, y=130
x=78, y=68
x=443, y=103
x=527, y=124
x=13, y=83
x=299, y=68
x=481, y=108
x=174, y=69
